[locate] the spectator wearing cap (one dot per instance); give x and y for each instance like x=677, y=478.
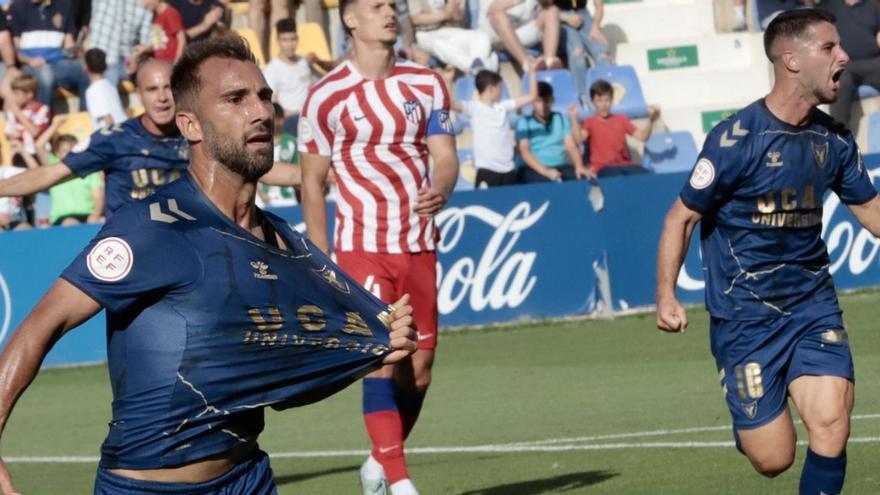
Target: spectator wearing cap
x=44, y=31
x=547, y=151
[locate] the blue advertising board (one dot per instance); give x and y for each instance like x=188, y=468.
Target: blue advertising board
x=506, y=254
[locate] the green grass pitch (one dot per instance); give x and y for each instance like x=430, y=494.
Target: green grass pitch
x=572, y=407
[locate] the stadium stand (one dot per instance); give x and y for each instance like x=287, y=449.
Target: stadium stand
x=670, y=152
x=467, y=172
x=564, y=91
x=78, y=124
x=657, y=19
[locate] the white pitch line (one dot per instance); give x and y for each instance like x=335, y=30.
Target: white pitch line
x=506, y=448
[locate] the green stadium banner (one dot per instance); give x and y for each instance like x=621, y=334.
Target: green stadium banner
x=674, y=57
x=713, y=117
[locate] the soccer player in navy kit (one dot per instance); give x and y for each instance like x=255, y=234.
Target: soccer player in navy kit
x=215, y=309
x=138, y=155
x=757, y=190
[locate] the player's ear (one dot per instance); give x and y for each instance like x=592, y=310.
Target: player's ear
x=791, y=60
x=189, y=125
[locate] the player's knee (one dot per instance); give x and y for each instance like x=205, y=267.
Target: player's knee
x=772, y=464
x=829, y=430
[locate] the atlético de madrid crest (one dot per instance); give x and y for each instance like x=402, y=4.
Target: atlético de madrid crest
x=413, y=111
x=820, y=153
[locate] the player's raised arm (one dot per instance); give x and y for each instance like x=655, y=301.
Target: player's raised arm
x=61, y=309
x=35, y=180
x=314, y=174
x=674, y=241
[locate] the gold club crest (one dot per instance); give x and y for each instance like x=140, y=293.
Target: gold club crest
x=820, y=153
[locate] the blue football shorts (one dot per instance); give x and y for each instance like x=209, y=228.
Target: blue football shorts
x=757, y=360
x=252, y=476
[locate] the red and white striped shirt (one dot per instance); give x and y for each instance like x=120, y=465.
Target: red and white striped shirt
x=376, y=135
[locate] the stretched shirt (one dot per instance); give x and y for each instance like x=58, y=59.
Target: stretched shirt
x=759, y=184
x=207, y=325
x=135, y=161
x=376, y=135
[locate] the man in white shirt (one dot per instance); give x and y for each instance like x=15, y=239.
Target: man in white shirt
x=289, y=75
x=102, y=98
x=439, y=32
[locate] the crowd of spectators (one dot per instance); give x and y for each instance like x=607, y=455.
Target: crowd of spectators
x=90, y=47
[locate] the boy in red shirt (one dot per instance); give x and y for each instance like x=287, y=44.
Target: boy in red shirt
x=606, y=133
x=168, y=36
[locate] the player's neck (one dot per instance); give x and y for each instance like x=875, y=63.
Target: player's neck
x=789, y=105
x=373, y=61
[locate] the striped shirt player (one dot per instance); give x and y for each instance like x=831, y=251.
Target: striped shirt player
x=374, y=134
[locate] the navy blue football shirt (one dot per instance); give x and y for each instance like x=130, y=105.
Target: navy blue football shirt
x=207, y=325
x=136, y=162
x=759, y=184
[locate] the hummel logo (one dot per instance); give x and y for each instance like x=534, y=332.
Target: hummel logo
x=262, y=271
x=385, y=450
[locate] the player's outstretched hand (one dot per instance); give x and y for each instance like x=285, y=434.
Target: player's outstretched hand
x=429, y=202
x=402, y=335
x=6, y=485
x=671, y=316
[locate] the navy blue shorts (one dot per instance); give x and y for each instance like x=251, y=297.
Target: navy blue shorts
x=252, y=476
x=757, y=360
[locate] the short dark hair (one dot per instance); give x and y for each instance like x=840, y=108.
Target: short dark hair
x=601, y=88
x=279, y=110
x=60, y=139
x=545, y=90
x=96, y=60
x=185, y=80
x=286, y=25
x=343, y=6
x=793, y=24
x=486, y=78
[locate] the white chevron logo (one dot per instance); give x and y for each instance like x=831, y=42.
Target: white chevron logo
x=157, y=214
x=737, y=131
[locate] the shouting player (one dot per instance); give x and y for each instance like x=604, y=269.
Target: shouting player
x=138, y=155
x=376, y=121
x=215, y=309
x=757, y=189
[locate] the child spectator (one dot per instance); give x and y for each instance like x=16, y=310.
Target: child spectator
x=26, y=118
x=12, y=212
x=605, y=134
x=75, y=201
x=289, y=75
x=102, y=99
x=169, y=37
x=285, y=152
x=547, y=151
x=493, y=137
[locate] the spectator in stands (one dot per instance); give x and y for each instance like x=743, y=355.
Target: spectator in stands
x=582, y=37
x=116, y=27
x=769, y=9
x=493, y=139
x=169, y=37
x=516, y=24
x=102, y=98
x=858, y=22
x=290, y=75
x=8, y=67
x=547, y=151
x=285, y=152
x=439, y=32
x=12, y=213
x=261, y=11
x=26, y=118
x=605, y=134
x=78, y=200
x=201, y=18
x=44, y=35
x=739, y=12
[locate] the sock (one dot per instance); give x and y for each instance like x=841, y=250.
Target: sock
x=740, y=11
x=409, y=403
x=403, y=487
x=373, y=468
x=822, y=474
x=385, y=427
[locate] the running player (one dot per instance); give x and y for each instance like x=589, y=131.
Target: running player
x=757, y=189
x=138, y=155
x=376, y=121
x=215, y=309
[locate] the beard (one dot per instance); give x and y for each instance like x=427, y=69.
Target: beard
x=234, y=155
